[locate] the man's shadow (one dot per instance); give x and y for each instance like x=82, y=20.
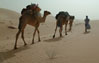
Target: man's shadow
x=11, y=53
x=87, y=32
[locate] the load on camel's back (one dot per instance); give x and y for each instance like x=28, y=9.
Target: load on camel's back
x=62, y=14
x=31, y=9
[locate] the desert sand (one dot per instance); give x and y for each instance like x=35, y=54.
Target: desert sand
x=76, y=47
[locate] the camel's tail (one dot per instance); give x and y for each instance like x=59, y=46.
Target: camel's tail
x=59, y=23
x=20, y=24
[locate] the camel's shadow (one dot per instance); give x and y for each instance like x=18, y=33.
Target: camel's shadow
x=11, y=53
x=54, y=39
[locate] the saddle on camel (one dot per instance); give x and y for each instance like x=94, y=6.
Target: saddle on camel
x=31, y=9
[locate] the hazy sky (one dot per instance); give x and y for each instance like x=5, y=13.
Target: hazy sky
x=79, y=8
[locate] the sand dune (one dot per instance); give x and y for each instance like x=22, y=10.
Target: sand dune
x=76, y=47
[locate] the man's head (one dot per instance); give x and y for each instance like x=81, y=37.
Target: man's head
x=86, y=16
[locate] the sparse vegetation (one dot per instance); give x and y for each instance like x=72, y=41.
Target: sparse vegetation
x=51, y=52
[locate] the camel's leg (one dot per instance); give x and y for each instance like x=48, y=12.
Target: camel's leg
x=55, y=30
x=17, y=36
x=70, y=25
x=66, y=27
x=34, y=35
x=38, y=35
x=60, y=31
x=23, y=37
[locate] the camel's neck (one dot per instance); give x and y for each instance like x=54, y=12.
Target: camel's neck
x=43, y=18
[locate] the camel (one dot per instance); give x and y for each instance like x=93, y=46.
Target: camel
x=62, y=19
x=33, y=20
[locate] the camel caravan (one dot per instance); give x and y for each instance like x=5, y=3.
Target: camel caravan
x=31, y=15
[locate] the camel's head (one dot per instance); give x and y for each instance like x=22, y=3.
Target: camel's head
x=46, y=13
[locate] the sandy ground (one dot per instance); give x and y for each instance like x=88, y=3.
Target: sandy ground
x=76, y=47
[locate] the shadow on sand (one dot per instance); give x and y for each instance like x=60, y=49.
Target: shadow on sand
x=87, y=32
x=54, y=39
x=11, y=53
